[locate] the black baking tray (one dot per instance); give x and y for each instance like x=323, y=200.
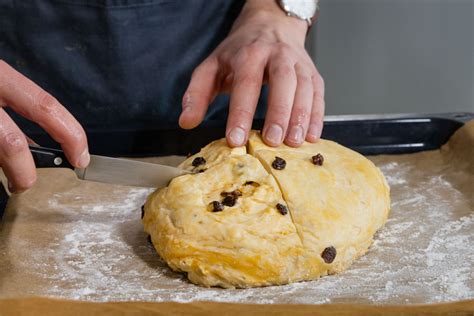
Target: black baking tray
x=369, y=135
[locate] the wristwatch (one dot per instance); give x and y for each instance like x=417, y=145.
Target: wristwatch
x=301, y=9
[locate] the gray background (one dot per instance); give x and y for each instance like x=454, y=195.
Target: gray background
x=395, y=56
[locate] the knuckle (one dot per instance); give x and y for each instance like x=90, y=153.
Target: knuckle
x=207, y=65
x=304, y=79
x=46, y=103
x=195, y=97
x=318, y=81
x=321, y=82
x=242, y=113
x=248, y=79
x=239, y=58
x=300, y=115
x=318, y=96
x=73, y=138
x=284, y=50
x=252, y=53
x=282, y=70
x=281, y=111
x=13, y=143
x=225, y=57
x=256, y=50
x=246, y=53
x=78, y=136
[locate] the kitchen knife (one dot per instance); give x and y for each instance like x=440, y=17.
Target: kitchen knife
x=110, y=170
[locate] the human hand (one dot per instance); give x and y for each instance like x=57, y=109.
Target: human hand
x=264, y=46
x=33, y=103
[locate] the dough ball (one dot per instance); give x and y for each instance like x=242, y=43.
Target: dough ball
x=240, y=222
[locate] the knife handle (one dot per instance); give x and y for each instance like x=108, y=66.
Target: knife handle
x=49, y=158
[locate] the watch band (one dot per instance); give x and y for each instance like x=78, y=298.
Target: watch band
x=299, y=9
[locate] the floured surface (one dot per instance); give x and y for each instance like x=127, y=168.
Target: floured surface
x=77, y=240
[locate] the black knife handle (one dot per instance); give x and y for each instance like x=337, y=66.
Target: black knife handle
x=49, y=158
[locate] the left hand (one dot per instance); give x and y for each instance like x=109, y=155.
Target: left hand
x=263, y=46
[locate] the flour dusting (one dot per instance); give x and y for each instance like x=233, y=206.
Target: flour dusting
x=94, y=248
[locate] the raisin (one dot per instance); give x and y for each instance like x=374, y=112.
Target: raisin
x=252, y=183
x=198, y=161
x=229, y=200
x=149, y=239
x=279, y=163
x=217, y=206
x=202, y=170
x=235, y=193
x=143, y=211
x=282, y=209
x=329, y=254
x=318, y=159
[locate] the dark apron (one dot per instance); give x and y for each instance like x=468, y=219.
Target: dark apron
x=115, y=63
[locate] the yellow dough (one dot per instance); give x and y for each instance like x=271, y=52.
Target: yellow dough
x=214, y=153
x=334, y=209
x=340, y=204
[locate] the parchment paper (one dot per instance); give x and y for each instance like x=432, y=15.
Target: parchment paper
x=72, y=239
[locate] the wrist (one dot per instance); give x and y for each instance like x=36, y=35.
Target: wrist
x=268, y=12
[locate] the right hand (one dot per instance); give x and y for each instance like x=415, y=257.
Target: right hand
x=30, y=101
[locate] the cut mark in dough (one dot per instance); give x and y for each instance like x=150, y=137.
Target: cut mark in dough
x=283, y=195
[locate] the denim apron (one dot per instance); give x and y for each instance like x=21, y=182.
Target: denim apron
x=115, y=63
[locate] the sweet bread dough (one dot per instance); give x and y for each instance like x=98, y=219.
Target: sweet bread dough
x=239, y=222
x=340, y=204
x=236, y=246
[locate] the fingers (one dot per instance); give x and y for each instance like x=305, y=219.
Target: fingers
x=248, y=68
x=200, y=93
x=15, y=157
x=317, y=114
x=301, y=111
x=295, y=101
x=282, y=87
x=30, y=101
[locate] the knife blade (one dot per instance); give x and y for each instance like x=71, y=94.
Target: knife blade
x=110, y=170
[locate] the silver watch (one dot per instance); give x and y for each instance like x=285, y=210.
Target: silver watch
x=302, y=9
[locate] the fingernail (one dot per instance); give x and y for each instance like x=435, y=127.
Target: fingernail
x=84, y=159
x=274, y=134
x=237, y=136
x=314, y=131
x=296, y=134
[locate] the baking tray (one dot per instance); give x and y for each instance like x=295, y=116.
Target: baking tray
x=432, y=204
x=367, y=134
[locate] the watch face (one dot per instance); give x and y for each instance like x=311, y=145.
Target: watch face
x=304, y=9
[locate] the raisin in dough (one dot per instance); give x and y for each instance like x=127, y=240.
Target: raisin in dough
x=334, y=210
